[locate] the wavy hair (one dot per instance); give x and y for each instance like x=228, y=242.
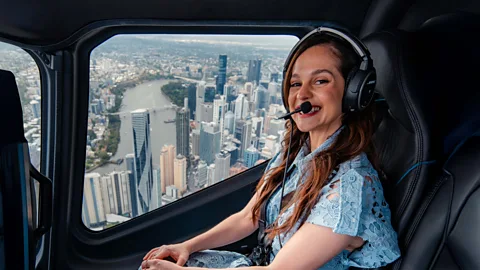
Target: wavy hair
x=354, y=139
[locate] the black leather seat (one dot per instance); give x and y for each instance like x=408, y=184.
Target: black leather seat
x=19, y=231
x=445, y=233
x=408, y=139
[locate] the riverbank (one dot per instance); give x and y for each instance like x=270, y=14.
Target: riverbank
x=112, y=135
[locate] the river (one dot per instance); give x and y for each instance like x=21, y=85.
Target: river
x=146, y=95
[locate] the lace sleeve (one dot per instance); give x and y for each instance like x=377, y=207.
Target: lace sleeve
x=340, y=204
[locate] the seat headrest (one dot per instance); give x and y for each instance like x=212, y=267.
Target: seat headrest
x=455, y=22
x=428, y=78
x=402, y=71
x=10, y=110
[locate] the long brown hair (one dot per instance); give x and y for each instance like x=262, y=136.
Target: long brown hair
x=355, y=138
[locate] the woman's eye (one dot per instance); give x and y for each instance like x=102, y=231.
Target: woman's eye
x=294, y=84
x=320, y=81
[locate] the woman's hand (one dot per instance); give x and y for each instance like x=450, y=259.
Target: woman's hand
x=179, y=252
x=159, y=265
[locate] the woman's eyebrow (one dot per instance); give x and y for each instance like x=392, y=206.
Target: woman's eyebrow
x=315, y=72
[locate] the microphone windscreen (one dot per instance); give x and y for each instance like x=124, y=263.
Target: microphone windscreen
x=306, y=107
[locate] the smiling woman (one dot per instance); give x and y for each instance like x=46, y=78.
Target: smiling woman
x=333, y=193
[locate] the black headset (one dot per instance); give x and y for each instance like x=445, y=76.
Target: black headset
x=360, y=83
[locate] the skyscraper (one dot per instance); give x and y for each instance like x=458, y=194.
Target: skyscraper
x=166, y=166
x=199, y=100
x=257, y=126
x=209, y=93
x=130, y=166
x=209, y=141
x=230, y=122
x=248, y=90
x=222, y=165
x=243, y=133
x=183, y=132
x=251, y=156
x=143, y=157
x=233, y=150
x=196, y=142
x=180, y=173
x=274, y=77
x=211, y=175
x=115, y=193
x=156, y=190
x=192, y=99
x=202, y=173
x=93, y=214
x=206, y=112
x=222, y=73
x=254, y=67
x=261, y=97
x=219, y=110
x=276, y=126
x=35, y=108
x=229, y=92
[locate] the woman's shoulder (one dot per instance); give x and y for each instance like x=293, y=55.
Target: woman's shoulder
x=359, y=164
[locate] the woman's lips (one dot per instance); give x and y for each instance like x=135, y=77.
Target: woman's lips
x=315, y=110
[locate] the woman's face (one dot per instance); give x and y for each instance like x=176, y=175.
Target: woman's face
x=316, y=77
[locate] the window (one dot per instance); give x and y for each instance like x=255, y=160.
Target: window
x=22, y=65
x=172, y=114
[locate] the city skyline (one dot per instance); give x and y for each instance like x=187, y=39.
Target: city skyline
x=229, y=107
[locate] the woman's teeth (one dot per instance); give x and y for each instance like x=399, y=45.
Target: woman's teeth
x=314, y=109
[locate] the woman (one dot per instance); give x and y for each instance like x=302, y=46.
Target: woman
x=334, y=214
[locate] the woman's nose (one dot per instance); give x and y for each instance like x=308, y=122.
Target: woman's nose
x=304, y=92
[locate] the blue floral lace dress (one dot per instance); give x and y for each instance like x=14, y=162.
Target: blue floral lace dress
x=352, y=204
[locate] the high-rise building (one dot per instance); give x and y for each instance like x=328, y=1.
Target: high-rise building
x=93, y=214
x=206, y=112
x=261, y=97
x=276, y=126
x=248, y=90
x=211, y=175
x=183, y=132
x=222, y=73
x=222, y=165
x=130, y=166
x=274, y=77
x=35, y=108
x=200, y=92
x=239, y=106
x=254, y=68
x=202, y=173
x=196, y=142
x=180, y=173
x=251, y=156
x=167, y=157
x=115, y=193
x=233, y=150
x=229, y=92
x=192, y=99
x=230, y=122
x=143, y=157
x=209, y=141
x=209, y=93
x=243, y=133
x=257, y=126
x=219, y=110
x=156, y=190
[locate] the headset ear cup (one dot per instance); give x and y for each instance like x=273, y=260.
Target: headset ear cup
x=347, y=102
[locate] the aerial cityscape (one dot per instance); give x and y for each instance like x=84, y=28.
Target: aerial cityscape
x=170, y=115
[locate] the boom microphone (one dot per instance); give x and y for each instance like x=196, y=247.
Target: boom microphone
x=305, y=107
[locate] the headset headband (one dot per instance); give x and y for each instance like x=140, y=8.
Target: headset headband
x=358, y=46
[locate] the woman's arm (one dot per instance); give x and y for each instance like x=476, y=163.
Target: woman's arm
x=309, y=248
x=232, y=229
